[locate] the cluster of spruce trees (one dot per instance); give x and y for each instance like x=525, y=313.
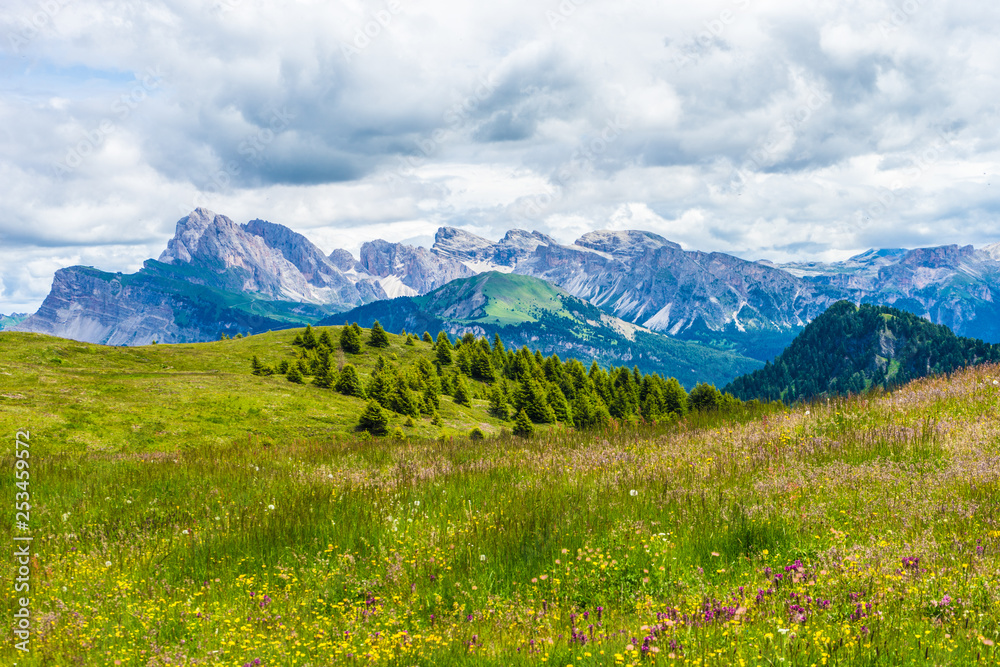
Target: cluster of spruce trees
x=517, y=385
x=850, y=349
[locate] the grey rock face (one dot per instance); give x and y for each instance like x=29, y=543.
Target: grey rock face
x=407, y=271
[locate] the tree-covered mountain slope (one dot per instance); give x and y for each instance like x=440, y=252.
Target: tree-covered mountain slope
x=849, y=349
x=529, y=311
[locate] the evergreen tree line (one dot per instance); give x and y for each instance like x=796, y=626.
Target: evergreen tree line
x=517, y=385
x=850, y=349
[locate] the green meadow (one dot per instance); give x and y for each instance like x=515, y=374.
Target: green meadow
x=186, y=512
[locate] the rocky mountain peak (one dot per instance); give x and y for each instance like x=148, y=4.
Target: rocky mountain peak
x=527, y=241
x=343, y=260
x=461, y=245
x=630, y=243
x=189, y=232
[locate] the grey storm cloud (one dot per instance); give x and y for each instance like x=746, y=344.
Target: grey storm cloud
x=765, y=128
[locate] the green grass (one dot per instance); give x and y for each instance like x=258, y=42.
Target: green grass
x=168, y=397
x=164, y=509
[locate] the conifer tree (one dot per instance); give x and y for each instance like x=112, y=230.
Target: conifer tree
x=427, y=338
x=308, y=338
x=432, y=395
x=256, y=366
x=349, y=382
x=404, y=401
x=482, y=367
x=409, y=340
x=374, y=419
x=283, y=366
x=443, y=349
x=523, y=427
x=350, y=340
x=704, y=397
x=325, y=341
x=531, y=398
x=294, y=374
x=381, y=386
x=560, y=406
x=378, y=337
x=499, y=405
x=461, y=392
x=463, y=359
x=326, y=378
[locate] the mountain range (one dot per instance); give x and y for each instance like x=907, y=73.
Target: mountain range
x=527, y=311
x=219, y=277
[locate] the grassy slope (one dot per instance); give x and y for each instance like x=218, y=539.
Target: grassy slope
x=529, y=311
x=463, y=553
x=166, y=397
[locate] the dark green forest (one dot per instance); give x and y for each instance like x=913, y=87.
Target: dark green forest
x=517, y=385
x=850, y=349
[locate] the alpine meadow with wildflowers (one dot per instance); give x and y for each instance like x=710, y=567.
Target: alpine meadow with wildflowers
x=190, y=512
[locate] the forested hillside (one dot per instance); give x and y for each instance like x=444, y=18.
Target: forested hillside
x=519, y=386
x=849, y=349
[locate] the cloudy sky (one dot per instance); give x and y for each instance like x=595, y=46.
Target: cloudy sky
x=768, y=129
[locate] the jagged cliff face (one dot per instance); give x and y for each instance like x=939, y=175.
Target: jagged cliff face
x=958, y=286
x=647, y=280
x=262, y=258
x=115, y=309
x=407, y=271
x=637, y=276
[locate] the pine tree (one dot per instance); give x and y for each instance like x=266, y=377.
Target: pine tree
x=560, y=406
x=350, y=340
x=325, y=341
x=381, y=386
x=461, y=391
x=482, y=367
x=499, y=405
x=308, y=338
x=523, y=427
x=283, y=366
x=409, y=340
x=349, y=382
x=704, y=397
x=427, y=338
x=258, y=368
x=374, y=419
x=531, y=398
x=378, y=337
x=294, y=374
x=326, y=378
x=443, y=349
x=404, y=401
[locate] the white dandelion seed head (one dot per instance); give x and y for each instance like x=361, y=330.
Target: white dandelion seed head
x=270, y=507
x=633, y=492
x=107, y=563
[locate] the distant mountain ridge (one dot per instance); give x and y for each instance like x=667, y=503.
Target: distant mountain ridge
x=528, y=311
x=753, y=308
x=850, y=349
